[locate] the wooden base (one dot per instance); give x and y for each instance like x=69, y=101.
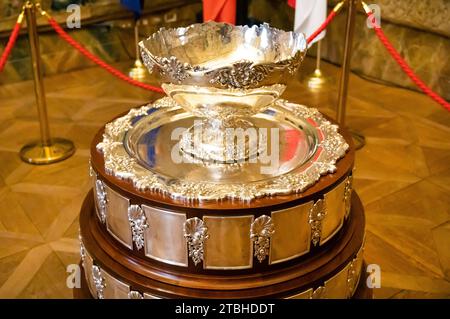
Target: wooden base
x=362, y=291
x=165, y=281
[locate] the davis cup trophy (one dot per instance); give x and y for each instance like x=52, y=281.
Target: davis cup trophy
x=221, y=189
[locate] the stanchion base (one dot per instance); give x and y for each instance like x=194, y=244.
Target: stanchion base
x=138, y=72
x=40, y=154
x=358, y=139
x=317, y=80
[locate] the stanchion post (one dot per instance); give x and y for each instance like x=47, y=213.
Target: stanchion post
x=345, y=72
x=138, y=72
x=317, y=80
x=47, y=150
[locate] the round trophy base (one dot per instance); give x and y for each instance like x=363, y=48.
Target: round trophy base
x=39, y=154
x=113, y=271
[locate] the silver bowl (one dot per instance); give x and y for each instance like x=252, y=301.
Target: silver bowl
x=224, y=74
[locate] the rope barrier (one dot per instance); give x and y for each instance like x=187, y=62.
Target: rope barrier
x=65, y=36
x=327, y=21
x=11, y=41
x=405, y=67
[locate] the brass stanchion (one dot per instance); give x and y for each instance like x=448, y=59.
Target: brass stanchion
x=343, y=83
x=138, y=72
x=317, y=80
x=47, y=150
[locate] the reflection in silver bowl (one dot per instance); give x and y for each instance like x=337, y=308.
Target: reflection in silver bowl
x=223, y=73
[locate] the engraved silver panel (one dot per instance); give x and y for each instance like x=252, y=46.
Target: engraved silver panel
x=114, y=288
x=117, y=222
x=292, y=234
x=229, y=245
x=164, y=240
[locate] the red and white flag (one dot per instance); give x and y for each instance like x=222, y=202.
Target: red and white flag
x=309, y=15
x=219, y=11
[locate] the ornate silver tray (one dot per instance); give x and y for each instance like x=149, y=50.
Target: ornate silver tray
x=143, y=147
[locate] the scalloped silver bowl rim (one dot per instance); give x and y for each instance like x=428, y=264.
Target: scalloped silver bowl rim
x=195, y=68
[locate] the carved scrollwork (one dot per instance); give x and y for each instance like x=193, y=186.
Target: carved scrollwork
x=138, y=224
x=102, y=201
x=241, y=75
x=99, y=281
x=316, y=215
x=196, y=233
x=261, y=231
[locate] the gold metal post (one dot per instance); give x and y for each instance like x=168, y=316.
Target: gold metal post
x=47, y=150
x=345, y=72
x=138, y=72
x=317, y=80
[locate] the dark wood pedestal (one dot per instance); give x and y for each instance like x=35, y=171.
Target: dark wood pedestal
x=284, y=281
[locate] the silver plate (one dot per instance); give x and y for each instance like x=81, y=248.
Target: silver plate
x=138, y=147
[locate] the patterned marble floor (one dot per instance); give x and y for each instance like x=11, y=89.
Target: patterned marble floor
x=402, y=176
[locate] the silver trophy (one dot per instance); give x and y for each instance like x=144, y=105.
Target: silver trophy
x=224, y=74
x=221, y=78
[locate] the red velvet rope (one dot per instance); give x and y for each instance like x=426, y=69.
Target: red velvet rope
x=9, y=45
x=406, y=68
x=379, y=32
x=99, y=61
x=322, y=27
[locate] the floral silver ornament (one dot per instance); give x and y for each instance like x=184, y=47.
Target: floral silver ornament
x=102, y=200
x=316, y=214
x=351, y=278
x=138, y=224
x=91, y=170
x=196, y=233
x=261, y=231
x=241, y=75
x=99, y=281
x=135, y=295
x=82, y=249
x=348, y=194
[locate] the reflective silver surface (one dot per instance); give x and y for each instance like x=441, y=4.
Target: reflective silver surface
x=222, y=73
x=142, y=147
x=222, y=55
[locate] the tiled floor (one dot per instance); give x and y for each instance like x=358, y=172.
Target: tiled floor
x=402, y=176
